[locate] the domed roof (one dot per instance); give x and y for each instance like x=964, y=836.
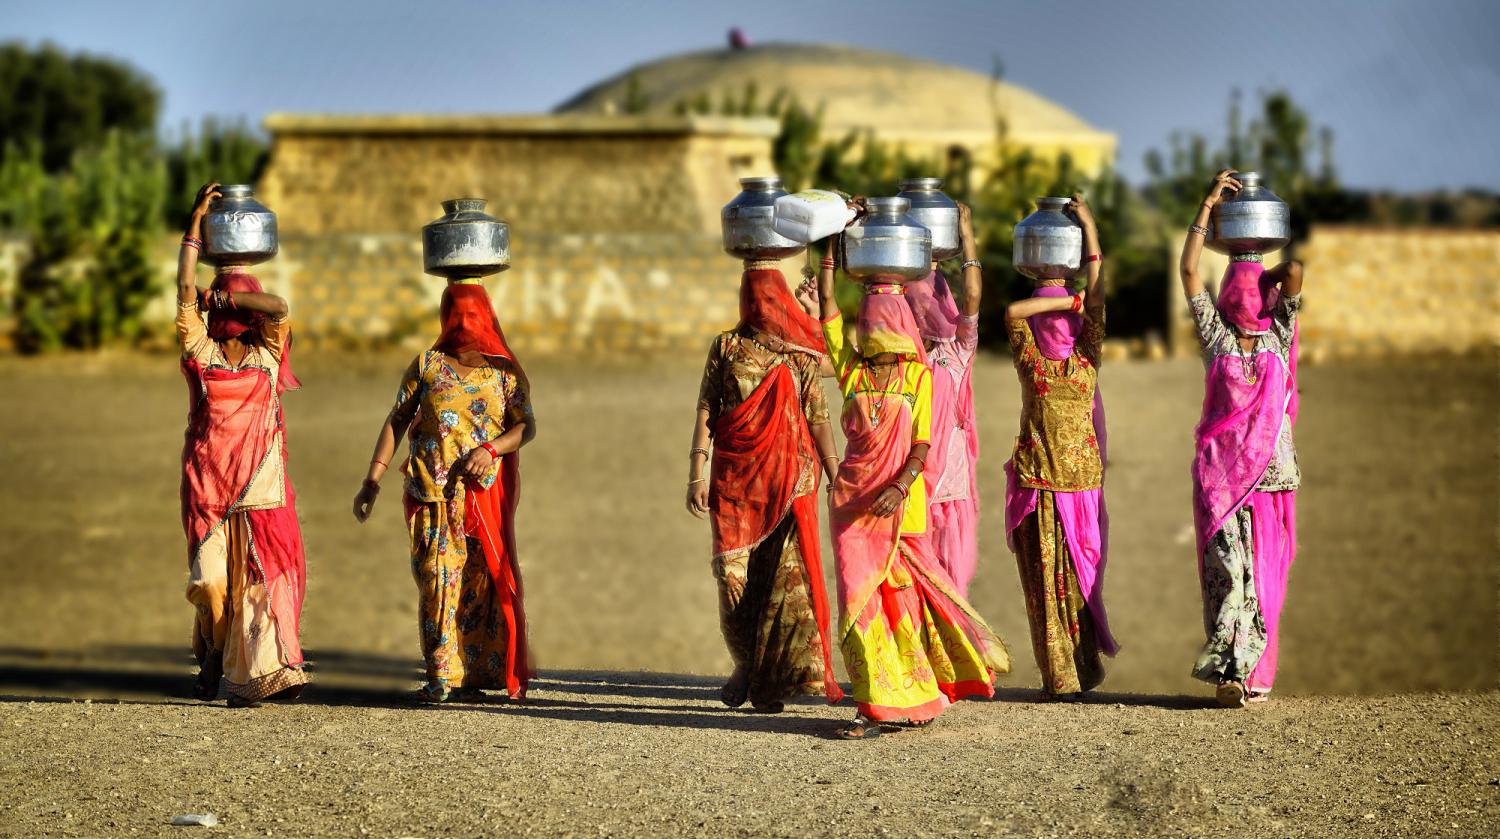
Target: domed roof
x=896, y=95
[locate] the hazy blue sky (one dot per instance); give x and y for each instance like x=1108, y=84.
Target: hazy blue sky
x=1411, y=89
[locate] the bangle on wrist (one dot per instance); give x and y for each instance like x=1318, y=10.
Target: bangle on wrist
x=1077, y=303
x=698, y=450
x=1199, y=229
x=692, y=481
x=491, y=449
x=1093, y=257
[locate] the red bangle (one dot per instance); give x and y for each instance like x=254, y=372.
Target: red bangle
x=1077, y=302
x=491, y=449
x=1093, y=257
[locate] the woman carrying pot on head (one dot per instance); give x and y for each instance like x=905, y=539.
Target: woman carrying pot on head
x=467, y=405
x=1245, y=474
x=1055, y=520
x=247, y=571
x=911, y=643
x=950, y=336
x=761, y=407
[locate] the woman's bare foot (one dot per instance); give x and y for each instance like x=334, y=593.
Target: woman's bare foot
x=736, y=689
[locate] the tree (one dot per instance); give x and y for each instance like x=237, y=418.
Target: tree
x=65, y=103
x=224, y=151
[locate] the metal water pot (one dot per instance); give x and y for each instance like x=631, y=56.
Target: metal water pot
x=934, y=211
x=887, y=243
x=1048, y=243
x=746, y=222
x=1252, y=220
x=238, y=230
x=465, y=242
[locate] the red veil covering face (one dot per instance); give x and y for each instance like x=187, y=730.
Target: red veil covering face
x=470, y=325
x=235, y=428
x=766, y=304
x=763, y=447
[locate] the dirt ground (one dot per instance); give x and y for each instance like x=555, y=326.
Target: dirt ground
x=1394, y=592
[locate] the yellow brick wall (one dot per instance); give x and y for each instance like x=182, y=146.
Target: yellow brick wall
x=1372, y=292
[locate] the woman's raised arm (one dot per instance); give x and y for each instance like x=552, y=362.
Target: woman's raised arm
x=1192, y=246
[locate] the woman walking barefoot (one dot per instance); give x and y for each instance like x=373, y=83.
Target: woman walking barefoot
x=951, y=338
x=1054, y=505
x=912, y=644
x=761, y=403
x=1245, y=474
x=467, y=404
x=246, y=565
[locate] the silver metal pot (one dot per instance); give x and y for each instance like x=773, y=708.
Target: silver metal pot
x=238, y=230
x=1048, y=243
x=934, y=211
x=1252, y=220
x=887, y=243
x=465, y=242
x=746, y=221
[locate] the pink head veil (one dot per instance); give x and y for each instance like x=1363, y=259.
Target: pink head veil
x=1055, y=332
x=933, y=307
x=1246, y=297
x=886, y=323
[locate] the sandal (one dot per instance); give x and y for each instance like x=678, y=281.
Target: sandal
x=426, y=696
x=767, y=708
x=921, y=723
x=860, y=729
x=241, y=702
x=1259, y=696
x=472, y=696
x=210, y=672
x=1231, y=694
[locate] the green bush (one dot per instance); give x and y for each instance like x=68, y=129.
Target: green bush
x=88, y=275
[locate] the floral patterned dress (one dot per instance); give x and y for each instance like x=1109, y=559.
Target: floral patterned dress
x=462, y=630
x=765, y=605
x=1056, y=451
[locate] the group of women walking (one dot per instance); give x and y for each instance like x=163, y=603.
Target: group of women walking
x=901, y=499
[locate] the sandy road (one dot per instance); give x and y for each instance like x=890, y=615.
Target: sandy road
x=614, y=755
x=1394, y=592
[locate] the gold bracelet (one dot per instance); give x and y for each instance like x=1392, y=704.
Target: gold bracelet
x=697, y=449
x=697, y=481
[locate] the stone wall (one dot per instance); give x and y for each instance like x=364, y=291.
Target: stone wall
x=575, y=294
x=564, y=294
x=1373, y=291
x=542, y=175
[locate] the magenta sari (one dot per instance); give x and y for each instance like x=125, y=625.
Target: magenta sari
x=1247, y=404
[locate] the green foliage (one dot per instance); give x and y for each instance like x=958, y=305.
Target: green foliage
x=88, y=274
x=224, y=151
x=62, y=104
x=1278, y=143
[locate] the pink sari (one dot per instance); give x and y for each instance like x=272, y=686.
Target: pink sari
x=235, y=420
x=911, y=643
x=953, y=506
